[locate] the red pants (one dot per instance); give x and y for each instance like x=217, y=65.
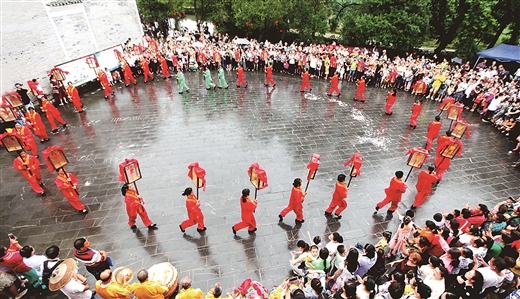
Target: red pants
x=74, y=201
x=440, y=172
x=297, y=210
x=421, y=197
x=240, y=81
x=198, y=219
x=305, y=85
x=386, y=201
x=360, y=93
x=341, y=206
x=35, y=181
x=32, y=144
x=128, y=78
x=429, y=142
x=42, y=134
x=51, y=118
x=146, y=75
x=108, y=90
x=388, y=108
x=413, y=120
x=77, y=103
x=334, y=89
x=269, y=79
x=248, y=221
x=132, y=215
x=165, y=73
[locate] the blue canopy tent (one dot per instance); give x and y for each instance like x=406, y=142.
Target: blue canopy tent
x=501, y=52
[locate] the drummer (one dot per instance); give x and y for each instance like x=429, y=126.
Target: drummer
x=108, y=288
x=146, y=289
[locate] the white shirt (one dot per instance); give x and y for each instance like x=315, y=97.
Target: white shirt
x=74, y=289
x=437, y=286
x=490, y=278
x=35, y=262
x=332, y=247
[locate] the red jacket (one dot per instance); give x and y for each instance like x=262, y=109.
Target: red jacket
x=396, y=189
x=65, y=186
x=334, y=80
x=297, y=197
x=340, y=192
x=433, y=129
x=425, y=181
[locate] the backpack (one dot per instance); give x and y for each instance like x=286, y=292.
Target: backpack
x=47, y=272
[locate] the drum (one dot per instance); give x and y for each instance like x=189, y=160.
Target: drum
x=165, y=274
x=119, y=273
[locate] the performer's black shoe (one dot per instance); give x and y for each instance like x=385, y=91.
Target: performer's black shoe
x=413, y=207
x=43, y=193
x=153, y=227
x=41, y=184
x=127, y=85
x=234, y=231
x=329, y=94
x=106, y=97
x=201, y=230
x=327, y=213
x=188, y=91
x=55, y=131
x=336, y=216
x=42, y=141
x=182, y=230
x=64, y=125
x=355, y=100
x=133, y=226
x=389, y=212
x=252, y=231
x=180, y=92
x=339, y=95
x=299, y=221
x=84, y=211
x=245, y=86
x=280, y=218
x=266, y=85
x=208, y=88
x=310, y=90
x=238, y=86
x=226, y=87
x=377, y=209
x=302, y=90
x=46, y=139
x=274, y=86
x=220, y=87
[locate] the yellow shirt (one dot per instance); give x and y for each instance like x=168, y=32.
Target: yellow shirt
x=190, y=293
x=112, y=290
x=438, y=79
x=148, y=290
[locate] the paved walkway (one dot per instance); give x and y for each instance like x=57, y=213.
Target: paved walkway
x=226, y=131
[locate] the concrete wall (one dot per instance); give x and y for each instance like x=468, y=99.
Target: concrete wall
x=36, y=36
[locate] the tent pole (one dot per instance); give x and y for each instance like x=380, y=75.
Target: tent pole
x=476, y=62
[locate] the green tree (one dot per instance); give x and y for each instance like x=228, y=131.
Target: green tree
x=399, y=24
x=310, y=18
x=260, y=15
x=159, y=9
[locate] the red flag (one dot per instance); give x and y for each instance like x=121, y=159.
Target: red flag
x=260, y=173
x=199, y=172
x=313, y=166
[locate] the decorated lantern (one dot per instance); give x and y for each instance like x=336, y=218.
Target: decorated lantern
x=460, y=127
x=129, y=172
x=355, y=163
x=197, y=174
x=417, y=156
x=7, y=114
x=313, y=168
x=257, y=177
x=55, y=157
x=455, y=111
x=11, y=142
x=59, y=74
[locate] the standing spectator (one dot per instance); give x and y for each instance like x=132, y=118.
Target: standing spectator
x=11, y=258
x=67, y=279
x=95, y=261
x=24, y=94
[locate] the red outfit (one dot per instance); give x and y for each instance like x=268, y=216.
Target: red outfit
x=36, y=122
x=30, y=168
x=269, y=76
x=103, y=79
x=129, y=76
x=390, y=100
x=419, y=87
x=305, y=83
x=433, y=131
x=52, y=113
x=295, y=204
x=334, y=81
x=164, y=68
x=68, y=191
x=248, y=217
x=146, y=70
x=135, y=206
x=441, y=165
x=360, y=92
x=424, y=186
x=416, y=111
x=240, y=74
x=442, y=142
x=76, y=100
x=393, y=194
x=24, y=133
x=338, y=199
x=195, y=215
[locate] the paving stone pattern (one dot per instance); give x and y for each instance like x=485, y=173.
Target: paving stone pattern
x=226, y=131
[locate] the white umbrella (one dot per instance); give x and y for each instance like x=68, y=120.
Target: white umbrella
x=182, y=38
x=198, y=44
x=241, y=41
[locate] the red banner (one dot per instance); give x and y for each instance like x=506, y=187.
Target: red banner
x=197, y=174
x=357, y=161
x=313, y=166
x=129, y=171
x=418, y=156
x=258, y=176
x=54, y=157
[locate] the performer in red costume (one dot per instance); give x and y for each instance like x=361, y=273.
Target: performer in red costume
x=269, y=75
x=361, y=86
x=164, y=67
x=74, y=94
x=248, y=208
x=52, y=113
x=195, y=215
x=305, y=82
x=25, y=135
x=441, y=165
x=295, y=202
x=146, y=70
x=37, y=125
x=103, y=79
x=68, y=184
x=390, y=100
x=339, y=198
x=424, y=186
x=334, y=81
x=433, y=131
x=30, y=168
x=442, y=142
x=135, y=206
x=127, y=73
x=240, y=74
x=416, y=111
x=393, y=193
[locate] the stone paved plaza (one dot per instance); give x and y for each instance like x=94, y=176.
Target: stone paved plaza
x=226, y=131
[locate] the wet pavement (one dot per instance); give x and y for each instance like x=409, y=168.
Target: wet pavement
x=226, y=131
